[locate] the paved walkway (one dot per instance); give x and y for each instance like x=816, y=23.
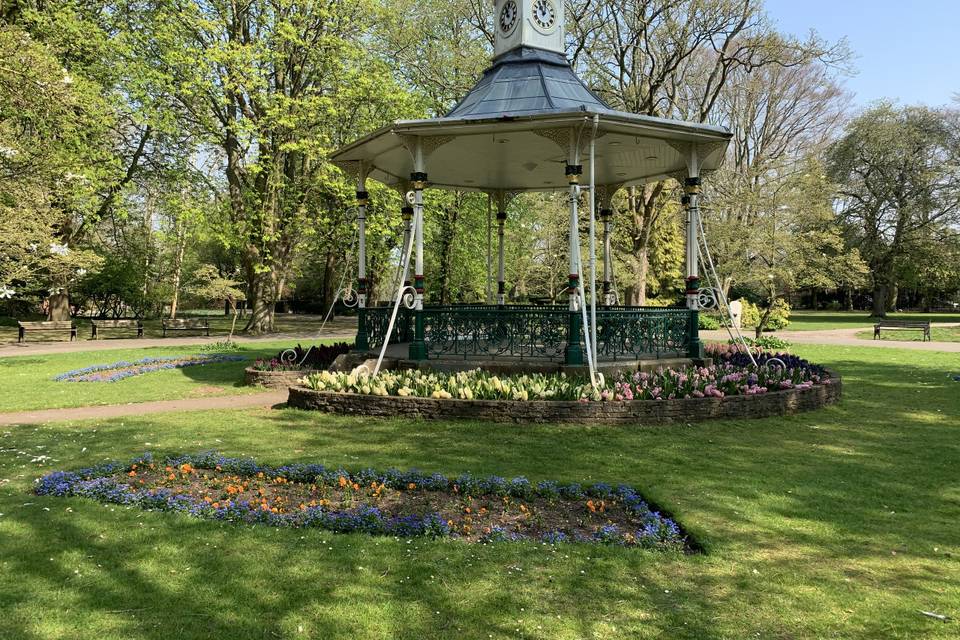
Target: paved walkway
x=848, y=338
x=254, y=401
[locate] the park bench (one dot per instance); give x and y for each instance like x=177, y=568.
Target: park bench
x=129, y=325
x=46, y=327
x=901, y=325
x=186, y=324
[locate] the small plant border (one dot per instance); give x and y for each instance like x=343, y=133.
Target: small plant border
x=125, y=369
x=99, y=483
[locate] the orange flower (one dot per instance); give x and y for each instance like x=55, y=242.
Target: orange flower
x=171, y=477
x=186, y=468
x=356, y=487
x=132, y=474
x=523, y=508
x=466, y=509
x=215, y=505
x=412, y=486
x=343, y=482
x=591, y=506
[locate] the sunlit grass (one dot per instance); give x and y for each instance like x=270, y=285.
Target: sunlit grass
x=835, y=524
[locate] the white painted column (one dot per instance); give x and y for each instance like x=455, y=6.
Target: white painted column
x=363, y=200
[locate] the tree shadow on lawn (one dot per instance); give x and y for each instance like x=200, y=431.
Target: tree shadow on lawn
x=808, y=495
x=114, y=572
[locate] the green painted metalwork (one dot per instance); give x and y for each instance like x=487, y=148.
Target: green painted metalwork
x=539, y=332
x=634, y=333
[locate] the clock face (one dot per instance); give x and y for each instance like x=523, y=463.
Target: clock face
x=508, y=17
x=544, y=15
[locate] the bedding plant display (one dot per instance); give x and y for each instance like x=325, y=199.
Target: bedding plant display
x=120, y=370
x=397, y=503
x=316, y=358
x=733, y=373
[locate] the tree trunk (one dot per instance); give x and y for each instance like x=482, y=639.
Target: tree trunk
x=58, y=306
x=893, y=294
x=178, y=269
x=262, y=299
x=814, y=299
x=879, y=300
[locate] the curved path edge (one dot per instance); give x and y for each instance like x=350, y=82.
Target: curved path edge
x=252, y=401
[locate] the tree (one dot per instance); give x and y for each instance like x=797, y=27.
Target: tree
x=273, y=86
x=210, y=286
x=675, y=60
x=899, y=175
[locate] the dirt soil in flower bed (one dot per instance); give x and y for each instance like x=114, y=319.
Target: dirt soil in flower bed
x=472, y=518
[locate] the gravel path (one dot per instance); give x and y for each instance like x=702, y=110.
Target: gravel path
x=254, y=401
x=847, y=338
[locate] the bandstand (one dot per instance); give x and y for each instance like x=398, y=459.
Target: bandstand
x=530, y=124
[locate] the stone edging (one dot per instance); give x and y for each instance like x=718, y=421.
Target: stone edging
x=635, y=412
x=273, y=379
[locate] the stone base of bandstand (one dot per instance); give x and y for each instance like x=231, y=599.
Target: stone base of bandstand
x=634, y=412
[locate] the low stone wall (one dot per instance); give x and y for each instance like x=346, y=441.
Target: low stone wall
x=636, y=412
x=272, y=379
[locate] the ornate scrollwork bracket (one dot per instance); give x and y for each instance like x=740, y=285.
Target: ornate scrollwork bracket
x=708, y=298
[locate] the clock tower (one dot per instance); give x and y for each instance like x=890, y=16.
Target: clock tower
x=528, y=23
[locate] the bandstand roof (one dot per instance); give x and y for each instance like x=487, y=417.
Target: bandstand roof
x=512, y=131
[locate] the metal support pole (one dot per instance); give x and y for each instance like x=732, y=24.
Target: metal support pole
x=606, y=214
x=489, y=298
x=363, y=199
x=692, y=188
x=418, y=348
x=501, y=273
x=574, y=353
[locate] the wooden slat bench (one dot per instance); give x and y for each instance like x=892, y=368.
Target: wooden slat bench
x=129, y=325
x=901, y=325
x=186, y=324
x=46, y=327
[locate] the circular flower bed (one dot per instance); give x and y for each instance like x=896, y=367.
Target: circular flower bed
x=732, y=387
x=733, y=374
x=397, y=503
x=123, y=369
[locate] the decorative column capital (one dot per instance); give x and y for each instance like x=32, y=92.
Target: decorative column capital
x=419, y=180
x=693, y=185
x=573, y=173
x=606, y=214
x=501, y=217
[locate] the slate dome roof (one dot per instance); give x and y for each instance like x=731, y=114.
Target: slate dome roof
x=528, y=81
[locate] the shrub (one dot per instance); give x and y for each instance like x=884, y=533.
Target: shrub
x=317, y=358
x=779, y=315
x=767, y=343
x=750, y=315
x=709, y=323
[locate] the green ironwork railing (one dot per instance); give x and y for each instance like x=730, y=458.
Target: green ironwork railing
x=537, y=332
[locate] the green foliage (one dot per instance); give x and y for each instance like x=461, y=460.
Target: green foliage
x=766, y=343
x=779, y=316
x=708, y=322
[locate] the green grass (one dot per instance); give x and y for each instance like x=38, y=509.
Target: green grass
x=27, y=381
x=820, y=320
x=937, y=334
x=836, y=524
x=219, y=326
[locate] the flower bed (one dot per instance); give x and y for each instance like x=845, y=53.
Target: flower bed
x=733, y=374
x=123, y=369
x=731, y=388
x=397, y=503
x=316, y=358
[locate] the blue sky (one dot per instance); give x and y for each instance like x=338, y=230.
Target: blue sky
x=905, y=51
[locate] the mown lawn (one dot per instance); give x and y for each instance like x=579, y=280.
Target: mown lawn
x=820, y=320
x=937, y=334
x=27, y=381
x=838, y=524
